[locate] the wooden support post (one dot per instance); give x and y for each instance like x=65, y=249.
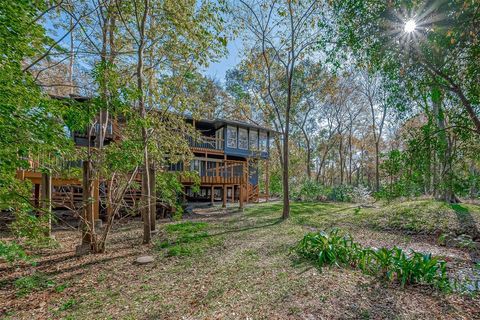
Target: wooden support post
x=36, y=196
x=224, y=198
x=233, y=193
x=267, y=182
x=87, y=216
x=153, y=200
x=46, y=200
x=240, y=198
x=247, y=181
x=212, y=197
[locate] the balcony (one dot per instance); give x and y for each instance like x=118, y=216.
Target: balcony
x=217, y=173
x=206, y=144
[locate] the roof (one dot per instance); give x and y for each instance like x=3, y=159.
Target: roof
x=216, y=123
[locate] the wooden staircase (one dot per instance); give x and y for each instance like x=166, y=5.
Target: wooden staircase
x=252, y=193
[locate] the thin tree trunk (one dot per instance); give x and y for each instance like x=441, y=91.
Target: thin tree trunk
x=146, y=194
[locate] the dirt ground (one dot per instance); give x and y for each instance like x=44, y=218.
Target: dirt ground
x=239, y=265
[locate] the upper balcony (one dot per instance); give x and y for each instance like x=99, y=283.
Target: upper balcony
x=207, y=144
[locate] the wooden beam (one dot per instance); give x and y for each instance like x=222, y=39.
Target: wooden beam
x=224, y=198
x=240, y=198
x=267, y=182
x=36, y=196
x=212, y=197
x=46, y=200
x=87, y=215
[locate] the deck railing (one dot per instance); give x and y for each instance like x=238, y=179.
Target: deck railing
x=228, y=171
x=206, y=142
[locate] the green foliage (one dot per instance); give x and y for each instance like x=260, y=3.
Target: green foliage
x=275, y=186
x=309, y=190
x=12, y=252
x=31, y=228
x=186, y=227
x=69, y=304
x=394, y=264
x=36, y=282
x=30, y=122
x=341, y=193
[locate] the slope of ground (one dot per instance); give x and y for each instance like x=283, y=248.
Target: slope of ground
x=239, y=265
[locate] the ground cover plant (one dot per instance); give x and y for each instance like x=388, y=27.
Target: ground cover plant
x=335, y=248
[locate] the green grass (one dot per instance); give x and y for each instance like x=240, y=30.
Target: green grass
x=186, y=227
x=243, y=263
x=426, y=217
x=36, y=282
x=187, y=239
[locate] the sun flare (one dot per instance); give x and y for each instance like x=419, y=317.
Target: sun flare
x=410, y=26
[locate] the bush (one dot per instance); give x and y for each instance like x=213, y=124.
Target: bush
x=341, y=193
x=393, y=264
x=361, y=194
x=309, y=190
x=32, y=229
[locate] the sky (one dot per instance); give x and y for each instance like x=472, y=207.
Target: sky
x=217, y=70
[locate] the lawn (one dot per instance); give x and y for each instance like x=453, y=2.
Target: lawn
x=239, y=265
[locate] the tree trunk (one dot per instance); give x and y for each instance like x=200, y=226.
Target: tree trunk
x=377, y=166
x=146, y=193
x=309, y=154
x=286, y=199
x=153, y=203
x=340, y=159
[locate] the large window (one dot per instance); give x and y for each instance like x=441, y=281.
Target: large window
x=231, y=137
x=253, y=138
x=263, y=141
x=243, y=139
x=196, y=165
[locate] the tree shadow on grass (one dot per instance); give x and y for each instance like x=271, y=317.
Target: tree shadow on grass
x=468, y=225
x=204, y=235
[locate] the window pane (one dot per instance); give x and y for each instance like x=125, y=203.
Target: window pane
x=253, y=140
x=263, y=141
x=231, y=137
x=243, y=139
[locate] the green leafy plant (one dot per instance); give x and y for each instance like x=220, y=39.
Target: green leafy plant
x=335, y=248
x=26, y=285
x=12, y=252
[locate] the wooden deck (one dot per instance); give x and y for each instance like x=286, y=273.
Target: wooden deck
x=214, y=180
x=36, y=177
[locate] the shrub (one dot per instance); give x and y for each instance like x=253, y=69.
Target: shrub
x=32, y=229
x=361, y=194
x=393, y=264
x=309, y=190
x=341, y=193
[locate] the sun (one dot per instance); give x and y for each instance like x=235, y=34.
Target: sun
x=410, y=26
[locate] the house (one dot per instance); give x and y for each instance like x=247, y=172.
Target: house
x=226, y=157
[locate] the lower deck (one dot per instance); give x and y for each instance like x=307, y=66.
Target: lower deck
x=218, y=180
